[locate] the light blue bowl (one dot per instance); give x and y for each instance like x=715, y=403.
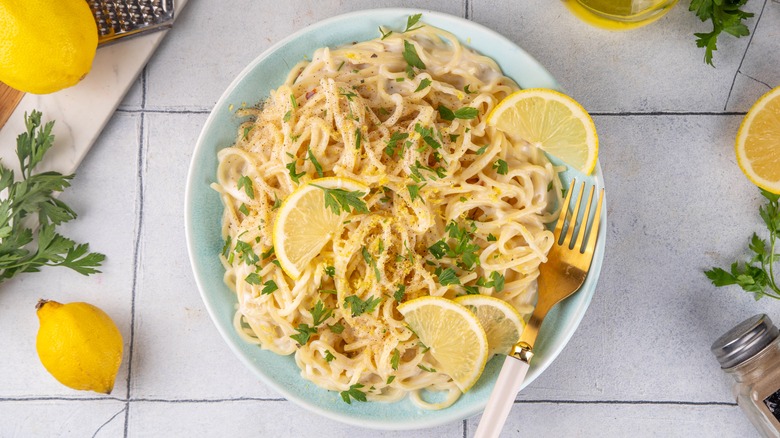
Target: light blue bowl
x=203, y=214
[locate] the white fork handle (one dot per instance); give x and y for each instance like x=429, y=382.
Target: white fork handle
x=501, y=399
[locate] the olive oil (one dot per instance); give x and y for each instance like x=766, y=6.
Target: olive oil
x=619, y=14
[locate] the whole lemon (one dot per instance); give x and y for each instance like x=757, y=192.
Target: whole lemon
x=79, y=344
x=45, y=45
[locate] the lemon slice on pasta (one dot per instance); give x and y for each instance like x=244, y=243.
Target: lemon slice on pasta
x=454, y=335
x=552, y=121
x=304, y=224
x=501, y=321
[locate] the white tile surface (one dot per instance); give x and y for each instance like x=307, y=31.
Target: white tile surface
x=639, y=365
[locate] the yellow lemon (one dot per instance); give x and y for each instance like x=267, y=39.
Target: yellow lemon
x=45, y=45
x=304, y=224
x=552, y=121
x=501, y=321
x=454, y=335
x=758, y=142
x=79, y=345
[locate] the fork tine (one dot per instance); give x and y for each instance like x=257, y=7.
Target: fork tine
x=562, y=216
x=594, y=228
x=585, y=217
x=572, y=224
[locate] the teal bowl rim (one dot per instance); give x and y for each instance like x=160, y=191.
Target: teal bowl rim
x=574, y=307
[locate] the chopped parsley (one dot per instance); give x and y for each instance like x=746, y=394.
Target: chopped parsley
x=304, y=333
x=269, y=287
x=246, y=183
x=354, y=392
x=329, y=356
x=245, y=253
x=501, y=166
x=330, y=271
x=319, y=313
x=399, y=293
x=423, y=84
x=253, y=278
x=465, y=113
x=370, y=262
x=395, y=359
x=411, y=21
x=411, y=56
x=447, y=276
x=359, y=307
x=316, y=164
x=391, y=148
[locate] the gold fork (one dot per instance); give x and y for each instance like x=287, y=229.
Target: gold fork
x=564, y=272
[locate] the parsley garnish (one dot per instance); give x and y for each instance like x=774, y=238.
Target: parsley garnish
x=294, y=175
x=253, y=278
x=293, y=101
x=726, y=16
x=304, y=333
x=336, y=328
x=244, y=209
x=246, y=183
x=414, y=191
x=501, y=166
x=427, y=135
x=340, y=199
x=423, y=84
x=354, y=392
x=319, y=313
x=385, y=35
x=411, y=56
x=399, y=293
x=465, y=113
x=482, y=150
x=496, y=281
x=359, y=307
x=245, y=253
x=411, y=21
x=247, y=130
x=358, y=138
x=447, y=276
x=316, y=164
x=329, y=356
x=757, y=275
x=371, y=262
x=467, y=91
x=392, y=145
x=491, y=238
x=330, y=271
x=269, y=287
x=424, y=368
x=348, y=95
x=287, y=116
x=395, y=359
x=390, y=379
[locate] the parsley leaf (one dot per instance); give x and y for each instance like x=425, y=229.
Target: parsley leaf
x=447, y=276
x=465, y=113
x=245, y=253
x=246, y=183
x=501, y=166
x=414, y=191
x=411, y=21
x=339, y=199
x=725, y=15
x=757, y=275
x=395, y=359
x=269, y=287
x=400, y=292
x=294, y=175
x=319, y=313
x=370, y=262
x=359, y=307
x=329, y=356
x=253, y=278
x=411, y=56
x=354, y=392
x=423, y=84
x=315, y=163
x=391, y=148
x=304, y=333
x=330, y=271
x=385, y=35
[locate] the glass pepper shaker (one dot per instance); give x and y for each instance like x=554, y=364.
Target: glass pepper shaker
x=750, y=353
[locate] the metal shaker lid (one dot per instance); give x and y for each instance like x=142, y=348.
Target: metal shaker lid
x=744, y=341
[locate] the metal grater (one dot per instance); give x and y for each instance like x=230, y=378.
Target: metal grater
x=122, y=18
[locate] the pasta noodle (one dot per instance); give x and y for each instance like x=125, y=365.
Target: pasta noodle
x=453, y=203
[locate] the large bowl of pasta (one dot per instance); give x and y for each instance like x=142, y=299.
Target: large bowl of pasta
x=394, y=101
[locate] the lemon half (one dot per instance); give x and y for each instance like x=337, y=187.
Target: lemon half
x=454, y=335
x=552, y=121
x=758, y=142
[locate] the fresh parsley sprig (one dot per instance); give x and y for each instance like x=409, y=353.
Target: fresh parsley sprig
x=338, y=200
x=757, y=275
x=21, y=249
x=726, y=16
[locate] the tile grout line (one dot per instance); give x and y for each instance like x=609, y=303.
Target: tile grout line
x=744, y=54
x=261, y=399
x=136, y=245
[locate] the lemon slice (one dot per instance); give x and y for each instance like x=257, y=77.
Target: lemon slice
x=304, y=225
x=453, y=334
x=501, y=321
x=758, y=142
x=552, y=121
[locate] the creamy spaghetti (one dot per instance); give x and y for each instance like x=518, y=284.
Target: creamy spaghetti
x=455, y=207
